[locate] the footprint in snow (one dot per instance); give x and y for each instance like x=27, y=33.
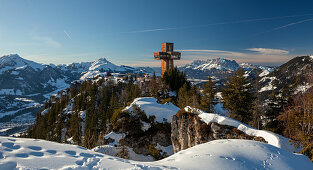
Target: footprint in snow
x=36, y=148
x=38, y=154
x=13, y=140
x=11, y=145
x=73, y=153
x=51, y=151
x=21, y=155
x=86, y=155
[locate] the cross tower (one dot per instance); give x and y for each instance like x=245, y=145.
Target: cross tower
x=167, y=57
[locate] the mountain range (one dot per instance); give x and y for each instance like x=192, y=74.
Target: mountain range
x=25, y=85
x=221, y=69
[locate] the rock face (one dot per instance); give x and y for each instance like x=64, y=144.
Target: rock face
x=188, y=130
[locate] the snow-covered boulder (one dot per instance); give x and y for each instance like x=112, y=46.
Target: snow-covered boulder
x=193, y=126
x=162, y=112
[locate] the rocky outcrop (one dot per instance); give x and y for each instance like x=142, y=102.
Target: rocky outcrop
x=188, y=130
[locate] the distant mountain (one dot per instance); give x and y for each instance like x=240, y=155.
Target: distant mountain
x=211, y=64
x=14, y=61
x=221, y=69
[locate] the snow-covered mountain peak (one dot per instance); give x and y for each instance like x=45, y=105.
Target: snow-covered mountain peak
x=14, y=61
x=218, y=63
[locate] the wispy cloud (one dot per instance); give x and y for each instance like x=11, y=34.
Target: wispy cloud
x=293, y=23
x=152, y=30
x=47, y=40
x=220, y=23
x=268, y=51
x=68, y=35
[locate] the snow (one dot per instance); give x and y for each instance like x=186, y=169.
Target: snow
x=271, y=138
x=264, y=73
x=302, y=88
x=236, y=154
x=145, y=126
x=167, y=149
x=115, y=136
x=24, y=99
x=10, y=92
x=111, y=150
x=269, y=86
x=45, y=111
x=162, y=112
x=20, y=153
x=219, y=109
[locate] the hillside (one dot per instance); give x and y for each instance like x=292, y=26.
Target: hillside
x=296, y=75
x=25, y=86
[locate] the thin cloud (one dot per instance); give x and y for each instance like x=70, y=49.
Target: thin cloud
x=152, y=30
x=68, y=35
x=294, y=23
x=220, y=23
x=268, y=51
x=47, y=40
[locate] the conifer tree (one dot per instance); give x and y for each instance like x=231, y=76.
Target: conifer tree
x=208, y=99
x=238, y=98
x=153, y=86
x=174, y=79
x=183, y=96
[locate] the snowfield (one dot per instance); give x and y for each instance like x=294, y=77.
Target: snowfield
x=20, y=153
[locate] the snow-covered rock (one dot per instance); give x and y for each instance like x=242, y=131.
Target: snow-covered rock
x=270, y=137
x=162, y=112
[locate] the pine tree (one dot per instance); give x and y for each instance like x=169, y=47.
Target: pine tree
x=183, y=96
x=208, y=99
x=153, y=86
x=174, y=79
x=274, y=107
x=238, y=98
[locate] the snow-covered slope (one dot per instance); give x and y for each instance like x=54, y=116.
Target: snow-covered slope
x=151, y=107
x=270, y=137
x=19, y=153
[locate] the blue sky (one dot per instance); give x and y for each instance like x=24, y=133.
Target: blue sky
x=267, y=32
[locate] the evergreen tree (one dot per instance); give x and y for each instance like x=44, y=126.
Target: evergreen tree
x=274, y=107
x=174, y=79
x=238, y=98
x=208, y=99
x=183, y=96
x=153, y=86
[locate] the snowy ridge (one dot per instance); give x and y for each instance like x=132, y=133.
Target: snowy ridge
x=20, y=153
x=151, y=107
x=14, y=61
x=271, y=138
x=219, y=64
